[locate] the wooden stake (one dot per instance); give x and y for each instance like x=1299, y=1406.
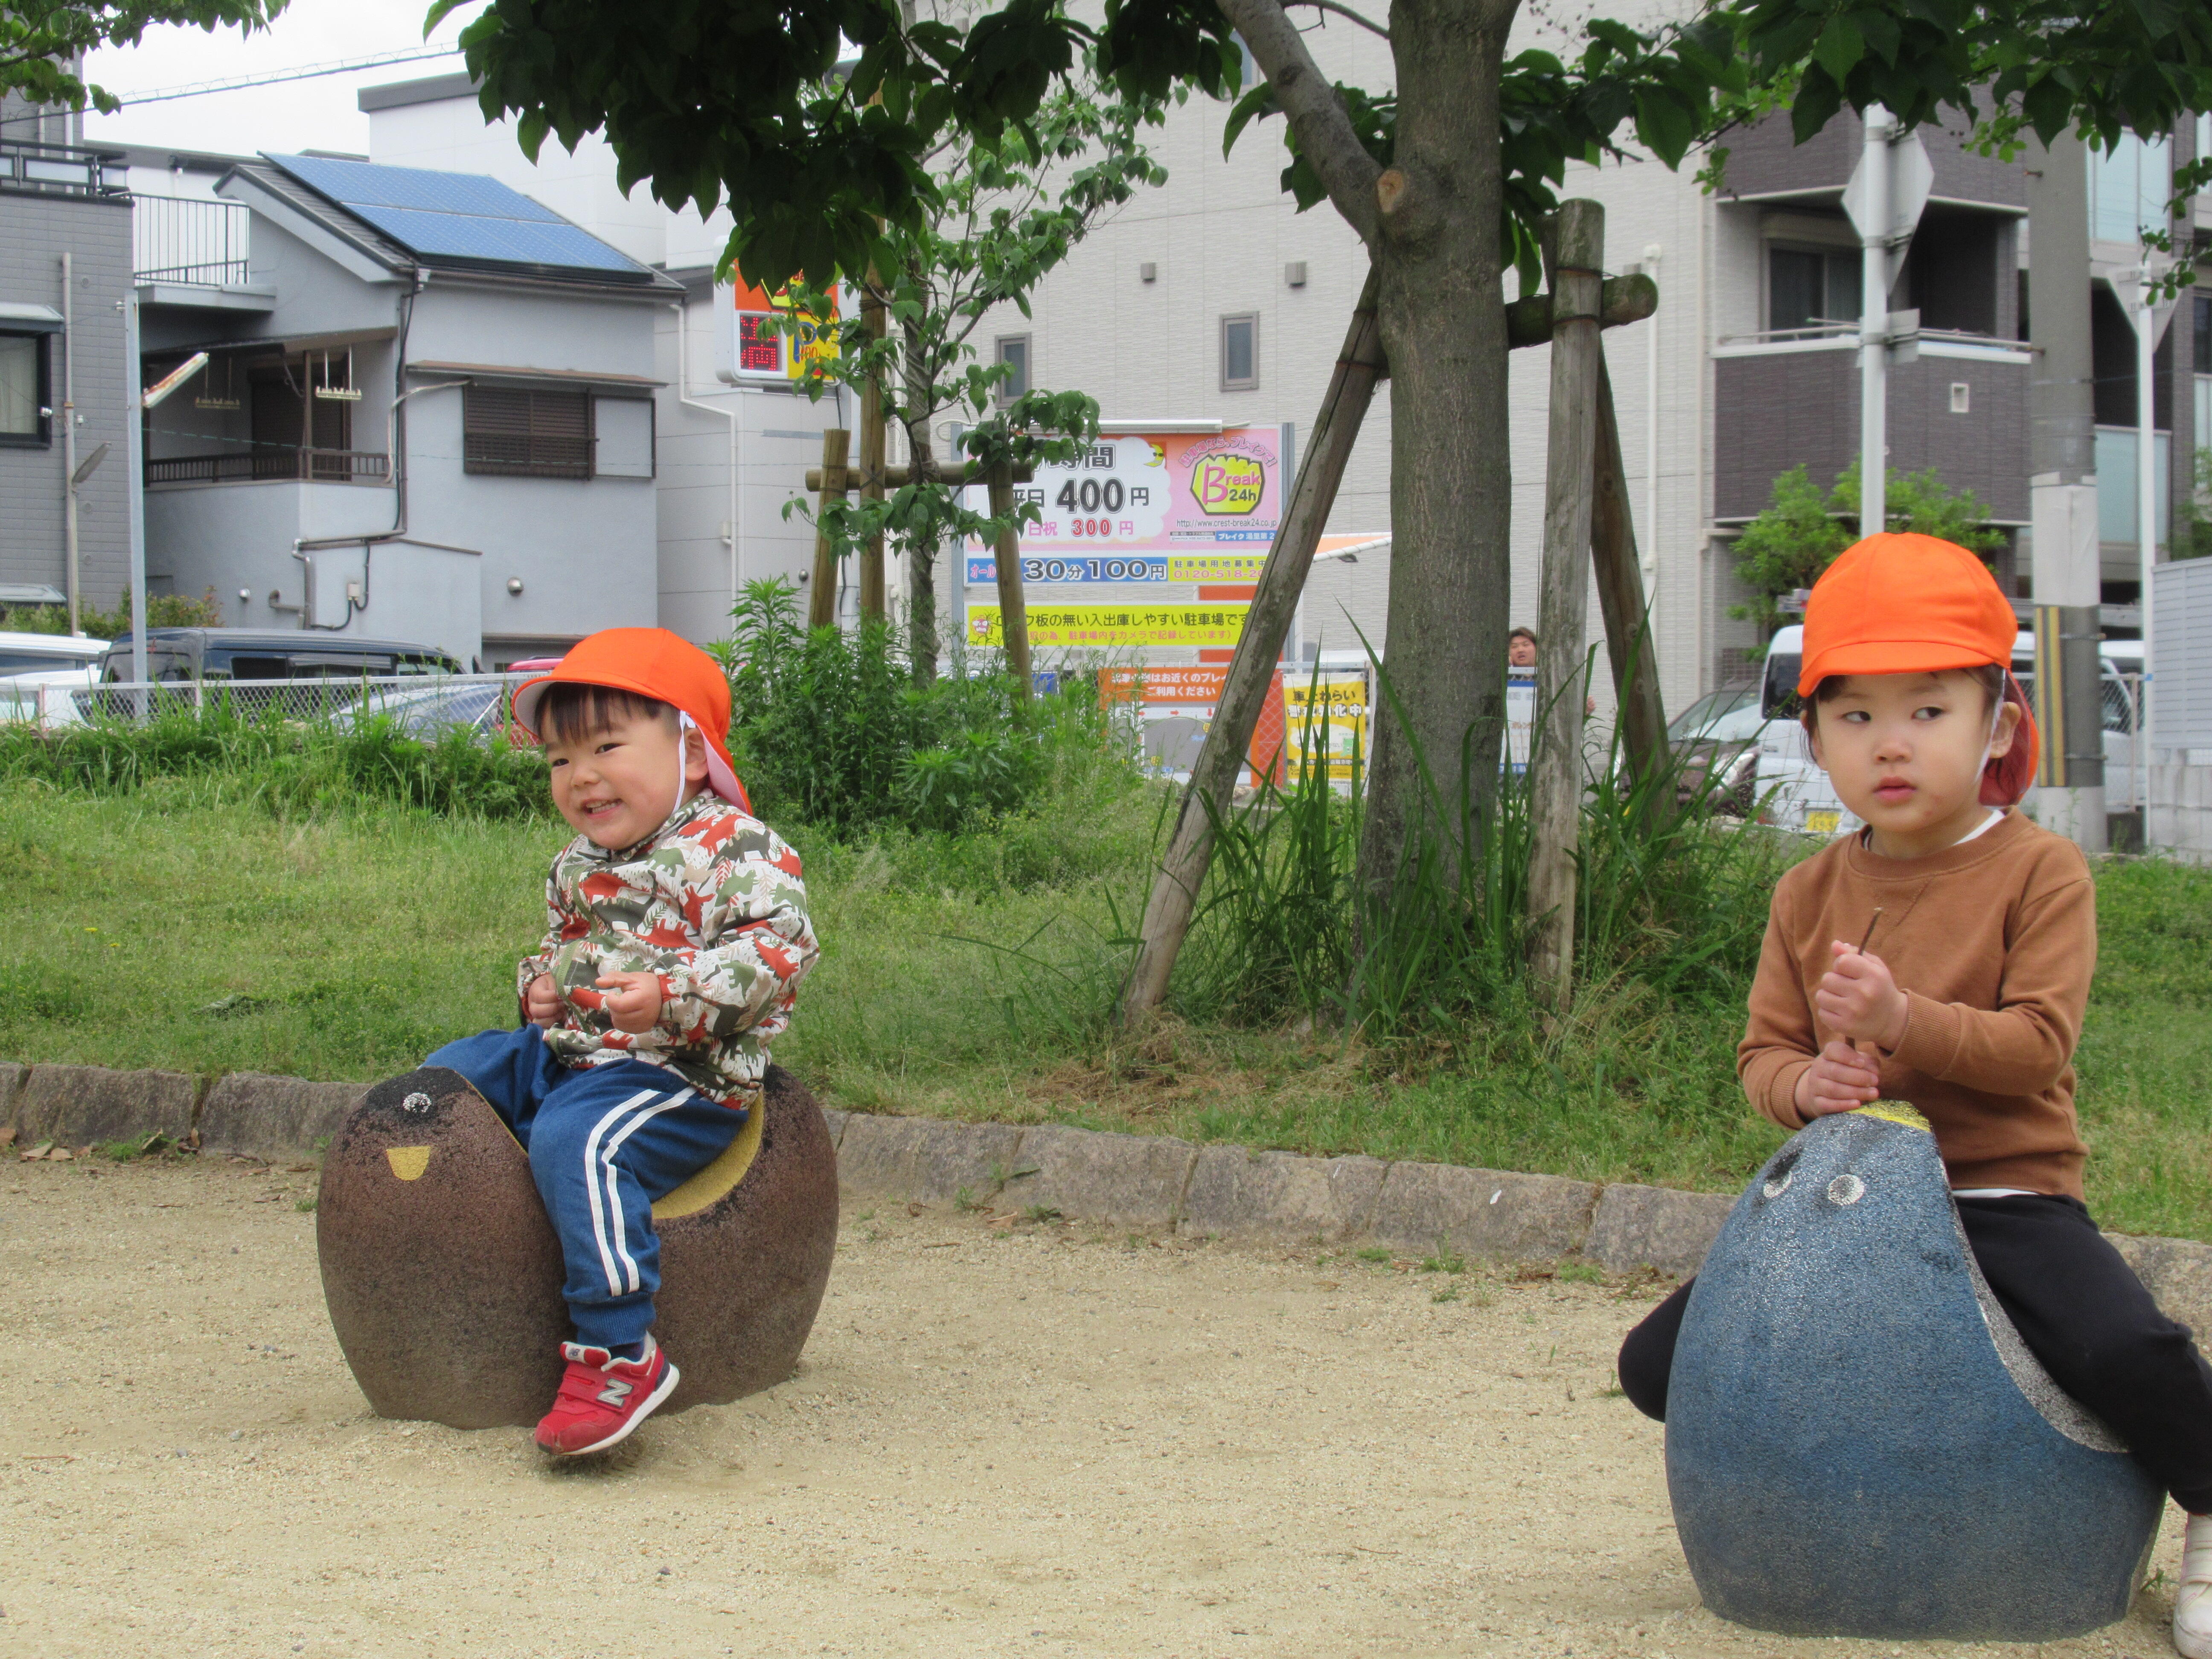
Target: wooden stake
x=1621, y=598
x=1013, y=605
x=1555, y=808
x=872, y=601
x=822, y=602
x=1359, y=366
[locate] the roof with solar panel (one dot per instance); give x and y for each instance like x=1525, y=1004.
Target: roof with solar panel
x=447, y=221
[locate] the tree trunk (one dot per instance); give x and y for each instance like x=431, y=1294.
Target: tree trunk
x=1013, y=604
x=822, y=601
x=1445, y=335
x=922, y=550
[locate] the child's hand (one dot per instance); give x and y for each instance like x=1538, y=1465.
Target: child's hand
x=1841, y=1080
x=541, y=1003
x=1859, y=999
x=632, y=1000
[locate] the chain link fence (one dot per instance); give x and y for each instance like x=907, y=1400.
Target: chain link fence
x=424, y=706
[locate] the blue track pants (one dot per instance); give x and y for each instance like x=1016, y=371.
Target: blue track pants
x=604, y=1142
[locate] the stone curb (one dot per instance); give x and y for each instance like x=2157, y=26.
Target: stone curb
x=1146, y=1183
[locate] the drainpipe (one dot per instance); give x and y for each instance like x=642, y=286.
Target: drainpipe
x=683, y=396
x=69, y=439
x=396, y=447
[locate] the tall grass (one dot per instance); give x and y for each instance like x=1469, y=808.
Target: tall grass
x=1671, y=898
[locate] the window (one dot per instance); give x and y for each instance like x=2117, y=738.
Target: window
x=1013, y=353
x=1240, y=352
x=23, y=394
x=2128, y=188
x=526, y=434
x=1807, y=286
x=2201, y=316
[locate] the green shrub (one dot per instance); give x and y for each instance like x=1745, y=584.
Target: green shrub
x=291, y=767
x=828, y=729
x=162, y=611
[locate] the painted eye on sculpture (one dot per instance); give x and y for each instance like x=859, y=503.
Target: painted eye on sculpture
x=1776, y=1188
x=417, y=1104
x=1846, y=1189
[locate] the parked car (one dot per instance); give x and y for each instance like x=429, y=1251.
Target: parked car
x=40, y=673
x=1716, y=738
x=175, y=654
x=477, y=706
x=1797, y=792
x=44, y=653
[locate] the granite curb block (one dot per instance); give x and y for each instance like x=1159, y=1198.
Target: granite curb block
x=1150, y=1182
x=89, y=1106
x=1654, y=1227
x=251, y=1114
x=1235, y=1193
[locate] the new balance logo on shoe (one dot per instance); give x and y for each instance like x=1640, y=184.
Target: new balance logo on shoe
x=604, y=1397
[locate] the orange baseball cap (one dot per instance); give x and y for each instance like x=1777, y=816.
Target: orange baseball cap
x=655, y=663
x=1899, y=603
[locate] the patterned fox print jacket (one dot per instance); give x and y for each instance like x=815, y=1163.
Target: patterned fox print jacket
x=713, y=904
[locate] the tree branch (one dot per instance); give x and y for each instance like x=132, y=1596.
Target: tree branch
x=1343, y=11
x=1325, y=134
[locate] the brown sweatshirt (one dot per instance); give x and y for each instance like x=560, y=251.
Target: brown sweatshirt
x=1993, y=941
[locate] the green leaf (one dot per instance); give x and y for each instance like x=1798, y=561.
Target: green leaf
x=1839, y=47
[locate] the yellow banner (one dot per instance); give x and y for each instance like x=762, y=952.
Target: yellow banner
x=1215, y=567
x=1116, y=624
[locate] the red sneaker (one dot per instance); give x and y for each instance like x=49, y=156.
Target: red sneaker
x=602, y=1398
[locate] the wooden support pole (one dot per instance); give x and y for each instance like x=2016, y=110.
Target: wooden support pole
x=1627, y=299
x=1013, y=606
x=822, y=602
x=1556, y=764
x=1621, y=598
x=1173, y=897
x=872, y=598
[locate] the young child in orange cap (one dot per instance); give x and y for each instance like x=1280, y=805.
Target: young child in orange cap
x=677, y=936
x=1942, y=956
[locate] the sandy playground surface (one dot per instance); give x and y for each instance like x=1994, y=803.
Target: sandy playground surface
x=1006, y=1439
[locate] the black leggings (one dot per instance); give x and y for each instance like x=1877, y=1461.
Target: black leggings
x=2082, y=1313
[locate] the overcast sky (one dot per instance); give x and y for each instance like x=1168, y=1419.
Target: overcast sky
x=292, y=116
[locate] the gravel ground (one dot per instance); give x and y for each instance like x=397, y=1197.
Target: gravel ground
x=1006, y=1439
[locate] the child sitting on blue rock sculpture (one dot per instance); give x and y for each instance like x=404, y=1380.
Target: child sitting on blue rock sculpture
x=677, y=936
x=1942, y=956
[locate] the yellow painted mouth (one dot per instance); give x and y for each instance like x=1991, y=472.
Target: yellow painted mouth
x=408, y=1163
x=1896, y=1111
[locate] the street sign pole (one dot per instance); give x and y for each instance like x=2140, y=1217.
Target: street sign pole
x=1873, y=326
x=1884, y=199
x=2137, y=291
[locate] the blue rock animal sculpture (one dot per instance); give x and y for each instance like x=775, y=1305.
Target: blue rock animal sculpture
x=1858, y=1444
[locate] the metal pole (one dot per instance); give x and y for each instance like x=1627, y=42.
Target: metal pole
x=1652, y=252
x=2146, y=515
x=134, y=462
x=1874, y=326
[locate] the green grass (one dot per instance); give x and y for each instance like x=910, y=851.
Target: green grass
x=967, y=977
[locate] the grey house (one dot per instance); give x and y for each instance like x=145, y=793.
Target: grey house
x=61, y=200
x=425, y=412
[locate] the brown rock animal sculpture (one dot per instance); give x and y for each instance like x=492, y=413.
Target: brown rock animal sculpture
x=443, y=1274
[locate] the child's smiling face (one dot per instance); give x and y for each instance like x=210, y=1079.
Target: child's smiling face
x=617, y=783
x=1905, y=753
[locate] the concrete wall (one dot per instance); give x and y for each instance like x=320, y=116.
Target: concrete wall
x=2181, y=805
x=779, y=437
x=34, y=232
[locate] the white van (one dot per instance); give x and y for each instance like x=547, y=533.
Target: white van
x=1797, y=793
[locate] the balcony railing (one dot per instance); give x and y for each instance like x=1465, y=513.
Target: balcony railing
x=60, y=170
x=182, y=239
x=272, y=461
